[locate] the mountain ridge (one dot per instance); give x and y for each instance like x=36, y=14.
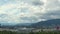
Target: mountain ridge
x=53, y=22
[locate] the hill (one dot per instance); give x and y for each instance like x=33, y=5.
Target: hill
x=53, y=22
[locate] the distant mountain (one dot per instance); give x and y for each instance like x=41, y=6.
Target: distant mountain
x=53, y=22
x=23, y=24
x=11, y=25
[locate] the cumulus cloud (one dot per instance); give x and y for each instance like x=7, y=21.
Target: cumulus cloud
x=28, y=11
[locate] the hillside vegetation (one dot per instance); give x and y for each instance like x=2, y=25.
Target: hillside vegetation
x=43, y=32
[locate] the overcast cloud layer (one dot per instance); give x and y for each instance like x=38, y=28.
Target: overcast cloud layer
x=28, y=11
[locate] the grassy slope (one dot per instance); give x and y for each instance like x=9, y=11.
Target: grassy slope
x=9, y=32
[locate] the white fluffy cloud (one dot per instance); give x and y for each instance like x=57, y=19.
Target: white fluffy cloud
x=28, y=11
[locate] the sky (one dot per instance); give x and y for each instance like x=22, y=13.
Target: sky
x=28, y=11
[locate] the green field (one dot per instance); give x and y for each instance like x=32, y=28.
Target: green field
x=51, y=32
x=9, y=32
